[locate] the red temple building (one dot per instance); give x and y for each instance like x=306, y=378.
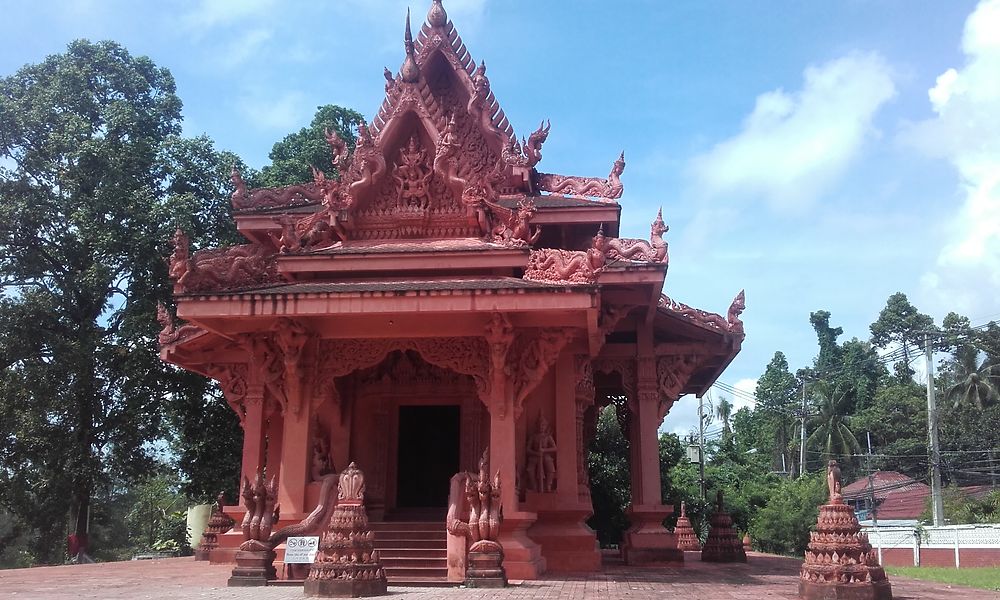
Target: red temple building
x=444, y=298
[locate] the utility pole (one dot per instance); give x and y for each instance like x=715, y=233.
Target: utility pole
x=701, y=445
x=937, y=507
x=802, y=433
x=871, y=483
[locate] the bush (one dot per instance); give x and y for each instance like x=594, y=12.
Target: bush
x=783, y=525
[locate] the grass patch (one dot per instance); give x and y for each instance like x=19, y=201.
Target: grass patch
x=987, y=578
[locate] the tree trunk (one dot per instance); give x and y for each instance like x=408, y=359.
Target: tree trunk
x=86, y=401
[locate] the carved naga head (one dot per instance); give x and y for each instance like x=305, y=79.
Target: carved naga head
x=619, y=167
x=658, y=227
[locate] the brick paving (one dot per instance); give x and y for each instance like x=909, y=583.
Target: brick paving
x=183, y=578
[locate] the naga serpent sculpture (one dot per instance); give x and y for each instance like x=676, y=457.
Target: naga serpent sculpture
x=313, y=523
x=655, y=250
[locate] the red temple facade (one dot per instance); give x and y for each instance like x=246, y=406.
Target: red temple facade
x=444, y=298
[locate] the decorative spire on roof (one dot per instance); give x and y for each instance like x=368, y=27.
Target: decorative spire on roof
x=409, y=72
x=436, y=16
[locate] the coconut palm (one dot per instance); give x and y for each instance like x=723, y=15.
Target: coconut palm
x=724, y=410
x=977, y=383
x=830, y=426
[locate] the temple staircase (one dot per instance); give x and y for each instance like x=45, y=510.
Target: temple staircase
x=412, y=546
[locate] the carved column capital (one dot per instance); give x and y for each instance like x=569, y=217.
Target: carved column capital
x=232, y=378
x=499, y=337
x=536, y=352
x=293, y=340
x=672, y=374
x=584, y=370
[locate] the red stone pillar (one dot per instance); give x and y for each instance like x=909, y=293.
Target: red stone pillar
x=294, y=342
x=275, y=433
x=296, y=451
x=567, y=543
x=253, y=432
x=522, y=556
x=647, y=540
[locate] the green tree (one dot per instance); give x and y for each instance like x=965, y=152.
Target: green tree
x=608, y=465
x=828, y=359
x=897, y=423
x=83, y=130
x=977, y=383
x=830, y=430
x=94, y=182
x=776, y=402
x=859, y=373
x=724, y=411
x=293, y=158
x=783, y=525
x=900, y=322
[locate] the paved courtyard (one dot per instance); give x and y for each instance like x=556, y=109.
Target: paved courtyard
x=183, y=578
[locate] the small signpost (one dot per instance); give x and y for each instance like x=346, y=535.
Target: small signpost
x=301, y=550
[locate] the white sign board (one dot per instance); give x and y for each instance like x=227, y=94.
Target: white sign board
x=301, y=550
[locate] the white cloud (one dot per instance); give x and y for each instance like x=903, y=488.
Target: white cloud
x=207, y=14
x=795, y=145
x=242, y=49
x=966, y=131
x=282, y=112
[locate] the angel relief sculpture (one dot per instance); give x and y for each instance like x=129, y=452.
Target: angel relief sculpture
x=413, y=176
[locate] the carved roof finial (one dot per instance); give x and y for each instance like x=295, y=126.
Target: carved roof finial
x=659, y=227
x=436, y=16
x=409, y=72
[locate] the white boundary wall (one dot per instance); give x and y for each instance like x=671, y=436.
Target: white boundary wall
x=957, y=538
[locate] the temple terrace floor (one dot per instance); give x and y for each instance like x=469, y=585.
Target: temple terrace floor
x=182, y=578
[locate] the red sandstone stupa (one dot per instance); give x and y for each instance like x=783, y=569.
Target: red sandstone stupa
x=722, y=545
x=218, y=524
x=347, y=565
x=437, y=296
x=840, y=562
x=687, y=539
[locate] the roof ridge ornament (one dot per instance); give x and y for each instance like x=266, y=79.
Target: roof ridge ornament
x=437, y=16
x=409, y=72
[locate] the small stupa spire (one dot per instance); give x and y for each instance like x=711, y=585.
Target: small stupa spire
x=436, y=16
x=409, y=72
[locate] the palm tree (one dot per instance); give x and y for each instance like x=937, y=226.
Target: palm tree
x=724, y=410
x=976, y=383
x=831, y=431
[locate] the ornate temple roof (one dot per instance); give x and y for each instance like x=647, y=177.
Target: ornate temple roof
x=439, y=195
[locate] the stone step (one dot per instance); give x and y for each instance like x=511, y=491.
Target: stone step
x=406, y=562
x=415, y=544
x=395, y=573
x=422, y=582
x=413, y=552
x=417, y=526
x=409, y=552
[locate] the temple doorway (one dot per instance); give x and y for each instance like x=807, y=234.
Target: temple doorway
x=428, y=455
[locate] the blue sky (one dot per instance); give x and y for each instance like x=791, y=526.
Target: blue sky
x=822, y=155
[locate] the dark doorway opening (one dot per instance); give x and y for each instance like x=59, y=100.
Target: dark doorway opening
x=428, y=455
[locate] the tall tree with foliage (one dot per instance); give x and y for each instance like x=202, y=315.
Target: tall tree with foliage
x=776, y=400
x=828, y=359
x=293, y=158
x=83, y=130
x=900, y=322
x=98, y=181
x=724, y=411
